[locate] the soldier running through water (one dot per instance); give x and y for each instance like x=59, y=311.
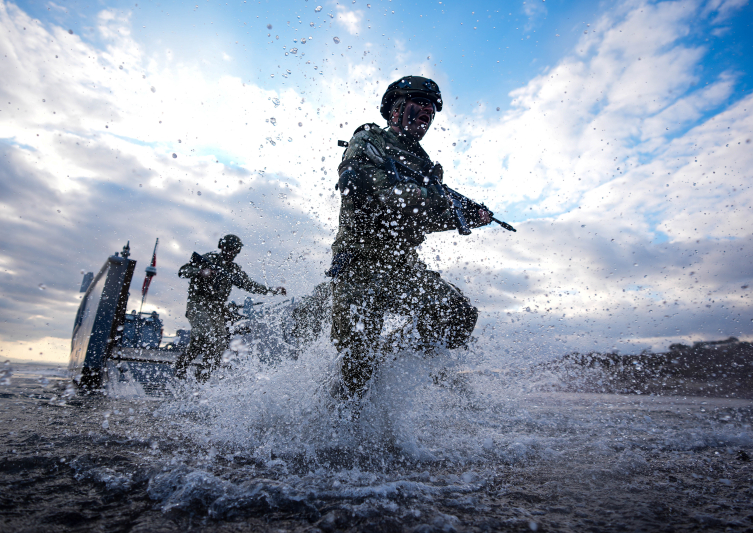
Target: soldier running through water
x=212, y=278
x=392, y=195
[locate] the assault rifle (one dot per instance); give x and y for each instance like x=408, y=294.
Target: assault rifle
x=465, y=200
x=454, y=198
x=457, y=208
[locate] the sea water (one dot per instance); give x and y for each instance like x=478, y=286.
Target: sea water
x=461, y=440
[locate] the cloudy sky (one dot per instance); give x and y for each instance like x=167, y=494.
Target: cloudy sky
x=615, y=136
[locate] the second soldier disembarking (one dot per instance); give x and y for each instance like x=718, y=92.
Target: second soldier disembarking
x=213, y=276
x=391, y=197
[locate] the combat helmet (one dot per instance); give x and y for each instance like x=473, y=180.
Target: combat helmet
x=410, y=86
x=231, y=243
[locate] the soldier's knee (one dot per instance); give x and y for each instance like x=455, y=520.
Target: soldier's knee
x=462, y=322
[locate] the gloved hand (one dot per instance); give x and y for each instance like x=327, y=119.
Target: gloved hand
x=437, y=172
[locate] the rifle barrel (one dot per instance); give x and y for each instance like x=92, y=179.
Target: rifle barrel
x=504, y=225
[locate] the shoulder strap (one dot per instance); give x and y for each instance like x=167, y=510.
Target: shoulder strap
x=367, y=127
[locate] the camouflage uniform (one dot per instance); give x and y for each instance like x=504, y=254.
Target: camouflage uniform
x=309, y=315
x=382, y=222
x=206, y=310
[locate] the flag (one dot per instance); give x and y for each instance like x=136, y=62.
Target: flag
x=151, y=271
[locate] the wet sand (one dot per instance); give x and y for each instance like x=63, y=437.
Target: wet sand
x=573, y=462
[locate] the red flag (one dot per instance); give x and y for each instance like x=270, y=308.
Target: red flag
x=151, y=271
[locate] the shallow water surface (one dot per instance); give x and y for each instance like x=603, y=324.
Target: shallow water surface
x=439, y=446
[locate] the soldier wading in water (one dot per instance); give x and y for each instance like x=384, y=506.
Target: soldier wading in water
x=392, y=196
x=212, y=278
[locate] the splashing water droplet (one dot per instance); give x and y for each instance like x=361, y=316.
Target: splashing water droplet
x=318, y=9
x=273, y=120
x=336, y=39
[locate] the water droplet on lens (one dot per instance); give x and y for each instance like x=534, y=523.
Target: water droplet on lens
x=300, y=124
x=269, y=26
x=175, y=156
x=153, y=90
x=273, y=120
x=318, y=9
x=336, y=39
x=198, y=193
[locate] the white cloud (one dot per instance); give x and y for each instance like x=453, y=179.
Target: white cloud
x=349, y=19
x=93, y=140
x=605, y=147
x=724, y=9
x=534, y=11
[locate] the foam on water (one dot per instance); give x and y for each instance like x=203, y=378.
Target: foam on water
x=472, y=433
x=430, y=427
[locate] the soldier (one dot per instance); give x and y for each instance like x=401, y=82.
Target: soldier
x=391, y=197
x=212, y=278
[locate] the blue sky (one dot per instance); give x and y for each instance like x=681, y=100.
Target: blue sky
x=614, y=135
x=484, y=50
